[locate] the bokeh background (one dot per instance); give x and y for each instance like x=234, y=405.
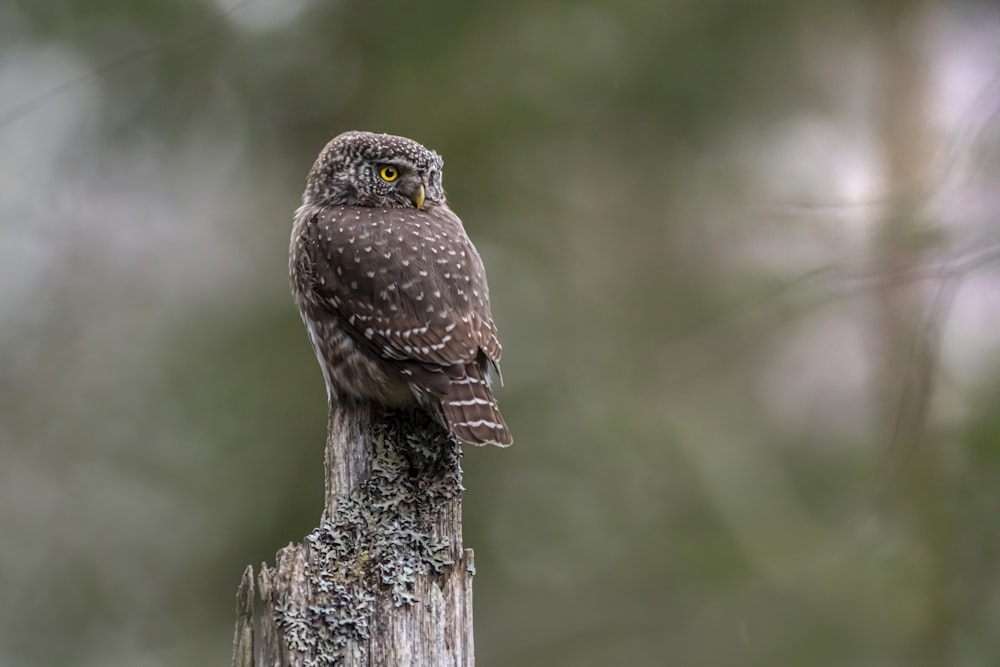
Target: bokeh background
x=745, y=260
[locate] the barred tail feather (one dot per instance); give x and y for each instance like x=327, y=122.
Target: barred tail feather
x=471, y=412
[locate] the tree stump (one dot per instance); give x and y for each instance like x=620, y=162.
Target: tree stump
x=384, y=579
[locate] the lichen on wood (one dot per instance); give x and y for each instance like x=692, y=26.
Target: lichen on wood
x=384, y=578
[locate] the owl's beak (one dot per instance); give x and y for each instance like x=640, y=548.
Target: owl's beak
x=418, y=196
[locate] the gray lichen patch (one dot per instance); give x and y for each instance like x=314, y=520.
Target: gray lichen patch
x=381, y=539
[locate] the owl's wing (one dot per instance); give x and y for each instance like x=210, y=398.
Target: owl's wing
x=407, y=284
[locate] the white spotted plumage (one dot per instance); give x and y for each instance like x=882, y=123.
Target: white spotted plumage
x=387, y=318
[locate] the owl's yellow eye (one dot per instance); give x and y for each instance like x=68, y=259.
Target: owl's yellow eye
x=388, y=173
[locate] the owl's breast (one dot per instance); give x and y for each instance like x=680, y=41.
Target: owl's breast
x=349, y=369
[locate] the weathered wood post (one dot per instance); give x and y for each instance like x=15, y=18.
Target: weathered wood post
x=384, y=579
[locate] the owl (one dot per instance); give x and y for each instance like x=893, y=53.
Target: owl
x=391, y=290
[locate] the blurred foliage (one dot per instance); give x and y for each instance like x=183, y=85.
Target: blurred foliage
x=676, y=202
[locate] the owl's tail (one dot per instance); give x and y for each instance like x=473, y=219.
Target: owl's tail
x=471, y=412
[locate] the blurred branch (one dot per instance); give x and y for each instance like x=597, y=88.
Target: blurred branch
x=902, y=246
x=914, y=401
x=12, y=114
x=907, y=327
x=729, y=336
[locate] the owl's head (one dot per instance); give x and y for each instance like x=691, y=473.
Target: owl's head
x=375, y=170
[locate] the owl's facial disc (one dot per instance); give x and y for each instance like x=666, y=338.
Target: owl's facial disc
x=375, y=170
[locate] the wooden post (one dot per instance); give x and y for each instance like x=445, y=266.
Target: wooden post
x=384, y=579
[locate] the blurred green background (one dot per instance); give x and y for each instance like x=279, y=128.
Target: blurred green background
x=743, y=258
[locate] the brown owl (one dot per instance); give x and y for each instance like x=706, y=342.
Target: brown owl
x=391, y=289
